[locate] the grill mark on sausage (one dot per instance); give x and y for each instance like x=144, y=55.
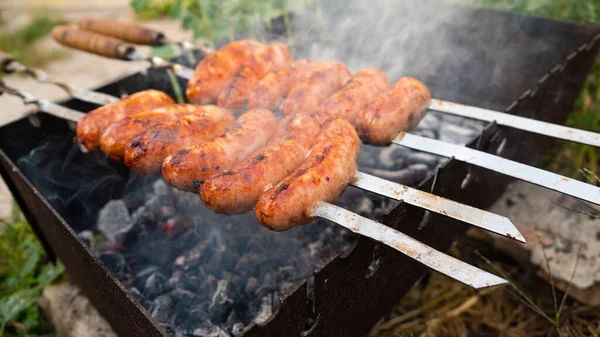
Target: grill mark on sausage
x=281, y=188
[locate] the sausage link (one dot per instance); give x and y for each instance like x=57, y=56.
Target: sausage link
x=119, y=134
x=274, y=87
x=308, y=95
x=323, y=176
x=91, y=127
x=236, y=191
x=273, y=57
x=147, y=151
x=92, y=43
x=189, y=167
x=396, y=110
x=126, y=31
x=365, y=85
x=215, y=71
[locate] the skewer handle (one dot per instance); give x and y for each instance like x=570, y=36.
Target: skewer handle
x=126, y=31
x=92, y=43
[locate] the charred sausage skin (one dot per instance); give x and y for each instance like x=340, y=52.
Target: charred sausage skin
x=118, y=135
x=323, y=176
x=187, y=168
x=272, y=89
x=396, y=110
x=273, y=57
x=215, y=71
x=91, y=127
x=146, y=152
x=365, y=85
x=308, y=95
x=235, y=191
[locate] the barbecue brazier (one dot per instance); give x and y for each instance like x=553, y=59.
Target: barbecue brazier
x=532, y=67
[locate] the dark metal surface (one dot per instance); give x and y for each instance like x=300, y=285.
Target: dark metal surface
x=349, y=303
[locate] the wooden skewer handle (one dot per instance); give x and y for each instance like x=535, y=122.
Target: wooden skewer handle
x=129, y=32
x=92, y=42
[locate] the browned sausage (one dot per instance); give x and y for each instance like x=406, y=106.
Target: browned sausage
x=215, y=71
x=274, y=87
x=323, y=176
x=187, y=168
x=91, y=127
x=399, y=109
x=273, y=57
x=119, y=134
x=146, y=152
x=236, y=191
x=308, y=95
x=365, y=85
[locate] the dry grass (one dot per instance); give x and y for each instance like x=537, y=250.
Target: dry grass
x=528, y=307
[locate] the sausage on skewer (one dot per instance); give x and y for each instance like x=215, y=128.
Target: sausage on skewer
x=396, y=110
x=118, y=135
x=273, y=57
x=323, y=176
x=309, y=94
x=188, y=167
x=146, y=152
x=365, y=85
x=236, y=190
x=91, y=127
x=215, y=71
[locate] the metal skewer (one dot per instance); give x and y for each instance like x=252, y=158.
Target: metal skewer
x=517, y=122
x=414, y=249
x=9, y=65
x=511, y=168
x=408, y=246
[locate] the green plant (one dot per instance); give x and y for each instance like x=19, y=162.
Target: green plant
x=21, y=42
x=23, y=275
x=214, y=20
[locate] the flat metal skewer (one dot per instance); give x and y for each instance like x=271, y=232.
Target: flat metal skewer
x=517, y=122
x=9, y=65
x=511, y=168
x=480, y=218
x=434, y=259
x=471, y=215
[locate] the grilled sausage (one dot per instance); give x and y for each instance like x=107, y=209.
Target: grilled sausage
x=187, y=168
x=274, y=87
x=236, y=191
x=215, y=71
x=396, y=110
x=323, y=176
x=146, y=152
x=273, y=57
x=308, y=95
x=119, y=134
x=91, y=127
x=365, y=85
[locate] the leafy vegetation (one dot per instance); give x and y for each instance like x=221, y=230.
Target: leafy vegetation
x=24, y=273
x=21, y=42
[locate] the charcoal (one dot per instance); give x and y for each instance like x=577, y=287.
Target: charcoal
x=221, y=303
x=184, y=298
x=167, y=328
x=251, y=286
x=181, y=280
x=87, y=236
x=266, y=309
x=114, y=220
x=144, y=218
x=161, y=308
x=192, y=257
x=204, y=329
x=161, y=188
x=237, y=329
x=115, y=262
x=140, y=297
x=429, y=122
x=427, y=159
x=453, y=133
x=208, y=286
x=392, y=157
x=156, y=284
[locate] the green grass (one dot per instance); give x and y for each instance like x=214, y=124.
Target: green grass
x=20, y=43
x=24, y=272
